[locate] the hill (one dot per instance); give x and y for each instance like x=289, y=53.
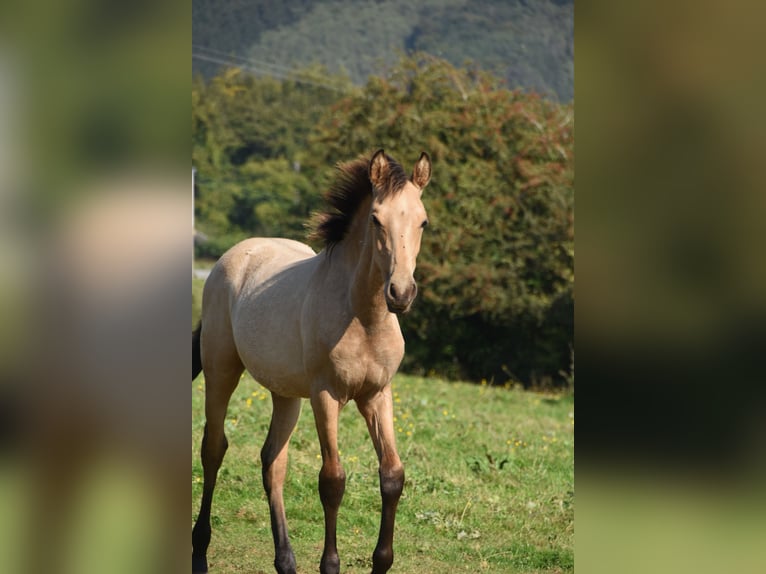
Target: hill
x=529, y=44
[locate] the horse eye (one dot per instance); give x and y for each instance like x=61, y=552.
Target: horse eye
x=425, y=222
x=375, y=221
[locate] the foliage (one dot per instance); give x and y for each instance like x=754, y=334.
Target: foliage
x=501, y=502
x=529, y=44
x=248, y=137
x=496, y=269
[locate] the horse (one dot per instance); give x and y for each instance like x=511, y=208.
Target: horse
x=322, y=326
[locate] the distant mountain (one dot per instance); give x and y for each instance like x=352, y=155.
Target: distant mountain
x=530, y=43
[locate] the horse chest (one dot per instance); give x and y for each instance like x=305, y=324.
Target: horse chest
x=363, y=358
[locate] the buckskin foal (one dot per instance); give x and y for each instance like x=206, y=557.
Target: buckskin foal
x=319, y=326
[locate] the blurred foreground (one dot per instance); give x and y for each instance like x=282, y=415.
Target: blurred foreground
x=95, y=246
x=95, y=249
x=671, y=287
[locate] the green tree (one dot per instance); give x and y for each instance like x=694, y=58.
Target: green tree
x=248, y=139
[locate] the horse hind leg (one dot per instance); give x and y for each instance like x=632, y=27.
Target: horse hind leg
x=221, y=378
x=274, y=460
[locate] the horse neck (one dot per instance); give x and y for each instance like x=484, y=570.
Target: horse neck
x=365, y=278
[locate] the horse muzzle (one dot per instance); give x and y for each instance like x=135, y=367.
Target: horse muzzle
x=398, y=299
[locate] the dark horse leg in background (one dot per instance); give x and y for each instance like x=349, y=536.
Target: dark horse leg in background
x=220, y=383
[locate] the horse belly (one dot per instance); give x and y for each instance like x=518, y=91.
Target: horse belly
x=275, y=362
x=281, y=379
x=271, y=350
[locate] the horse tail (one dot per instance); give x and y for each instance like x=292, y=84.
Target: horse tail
x=196, y=356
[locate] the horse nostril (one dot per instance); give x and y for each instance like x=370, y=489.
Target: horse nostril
x=392, y=291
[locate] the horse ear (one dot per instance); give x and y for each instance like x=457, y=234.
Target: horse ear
x=379, y=169
x=421, y=175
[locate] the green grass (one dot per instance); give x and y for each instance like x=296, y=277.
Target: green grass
x=489, y=484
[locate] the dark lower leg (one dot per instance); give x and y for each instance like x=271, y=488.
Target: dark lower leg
x=284, y=558
x=378, y=412
x=391, y=486
x=332, y=479
x=332, y=485
x=214, y=446
x=274, y=462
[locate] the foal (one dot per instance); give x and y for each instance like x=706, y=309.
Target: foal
x=318, y=326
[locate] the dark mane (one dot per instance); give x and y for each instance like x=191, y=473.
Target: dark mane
x=349, y=189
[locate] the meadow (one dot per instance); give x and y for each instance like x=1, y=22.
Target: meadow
x=489, y=482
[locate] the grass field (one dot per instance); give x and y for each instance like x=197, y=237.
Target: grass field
x=489, y=484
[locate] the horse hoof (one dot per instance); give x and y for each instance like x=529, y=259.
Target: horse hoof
x=199, y=565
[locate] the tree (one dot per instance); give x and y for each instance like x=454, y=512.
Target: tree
x=248, y=139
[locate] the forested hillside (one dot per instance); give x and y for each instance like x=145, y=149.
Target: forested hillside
x=527, y=43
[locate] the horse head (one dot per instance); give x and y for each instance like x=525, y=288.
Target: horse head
x=397, y=219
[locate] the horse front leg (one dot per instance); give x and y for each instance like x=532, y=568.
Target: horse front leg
x=378, y=411
x=332, y=478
